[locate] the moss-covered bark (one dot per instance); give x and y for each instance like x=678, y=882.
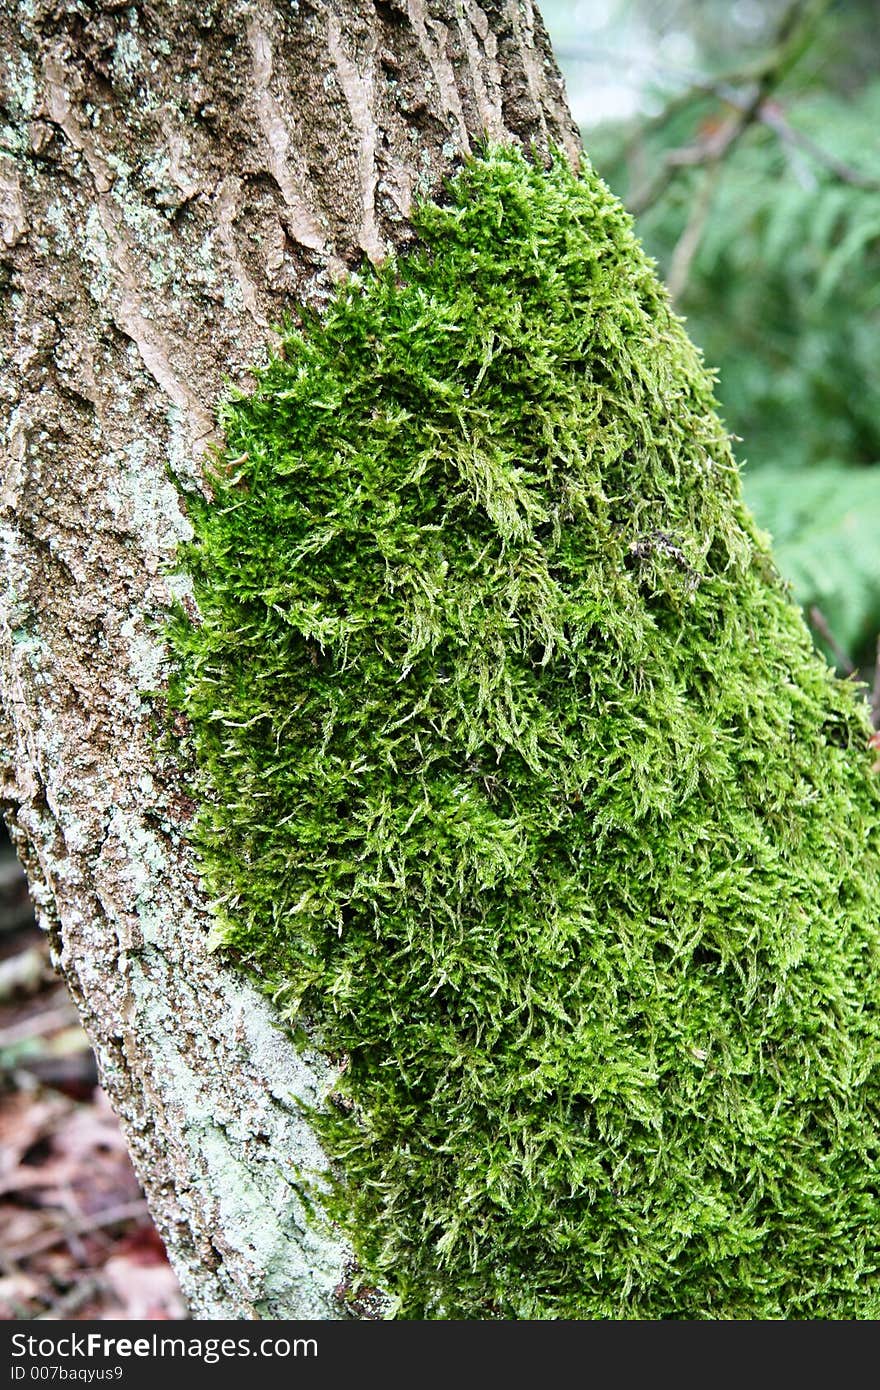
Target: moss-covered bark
x=523, y=788
x=173, y=176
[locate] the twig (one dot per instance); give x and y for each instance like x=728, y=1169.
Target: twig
x=81, y=1293
x=112, y=1216
x=820, y=623
x=793, y=33
x=38, y=1025
x=772, y=117
x=709, y=151
x=688, y=243
x=770, y=114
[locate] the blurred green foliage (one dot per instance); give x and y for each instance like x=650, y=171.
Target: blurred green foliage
x=825, y=523
x=773, y=252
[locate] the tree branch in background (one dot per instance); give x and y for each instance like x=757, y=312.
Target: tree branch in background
x=772, y=116
x=794, y=34
x=708, y=151
x=688, y=243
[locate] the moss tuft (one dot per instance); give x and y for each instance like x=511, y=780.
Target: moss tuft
x=522, y=783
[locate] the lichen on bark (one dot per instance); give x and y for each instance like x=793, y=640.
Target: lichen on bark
x=524, y=792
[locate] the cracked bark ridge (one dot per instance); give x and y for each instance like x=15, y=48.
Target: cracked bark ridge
x=173, y=178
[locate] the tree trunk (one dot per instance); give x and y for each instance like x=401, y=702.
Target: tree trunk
x=173, y=178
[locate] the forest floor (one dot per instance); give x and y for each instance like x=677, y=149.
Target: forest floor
x=76, y=1238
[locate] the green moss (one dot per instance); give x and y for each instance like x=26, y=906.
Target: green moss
x=523, y=785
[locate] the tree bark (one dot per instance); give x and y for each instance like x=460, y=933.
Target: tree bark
x=173, y=178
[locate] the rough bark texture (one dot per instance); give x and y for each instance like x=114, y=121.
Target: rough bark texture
x=173, y=176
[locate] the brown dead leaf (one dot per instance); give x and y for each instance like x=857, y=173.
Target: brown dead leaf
x=75, y=1236
x=82, y=1166
x=24, y=1122
x=145, y=1291
x=22, y=1225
